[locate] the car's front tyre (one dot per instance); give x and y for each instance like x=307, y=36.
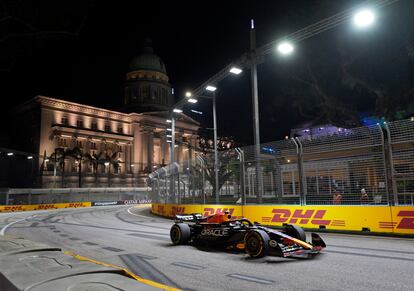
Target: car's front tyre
x=180, y=233
x=256, y=243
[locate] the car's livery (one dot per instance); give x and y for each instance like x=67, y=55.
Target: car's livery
x=258, y=241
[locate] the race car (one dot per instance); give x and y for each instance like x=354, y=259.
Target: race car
x=256, y=240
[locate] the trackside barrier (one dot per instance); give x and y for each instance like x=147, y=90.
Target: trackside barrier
x=381, y=219
x=33, y=207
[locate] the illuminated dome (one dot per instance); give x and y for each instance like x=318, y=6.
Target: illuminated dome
x=147, y=60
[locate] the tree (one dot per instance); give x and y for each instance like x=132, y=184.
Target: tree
x=95, y=159
x=59, y=156
x=113, y=161
x=79, y=157
x=228, y=165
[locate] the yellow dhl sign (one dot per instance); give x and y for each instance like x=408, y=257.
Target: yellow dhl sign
x=33, y=207
x=388, y=219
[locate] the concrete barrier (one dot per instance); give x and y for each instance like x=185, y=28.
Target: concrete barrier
x=380, y=219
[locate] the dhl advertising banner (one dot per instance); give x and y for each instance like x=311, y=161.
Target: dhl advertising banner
x=385, y=219
x=169, y=210
x=17, y=208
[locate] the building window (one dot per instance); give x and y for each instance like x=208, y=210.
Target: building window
x=93, y=145
x=79, y=144
x=107, y=128
x=120, y=129
x=94, y=125
x=119, y=148
x=64, y=121
x=79, y=123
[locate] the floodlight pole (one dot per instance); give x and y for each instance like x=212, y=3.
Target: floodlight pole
x=172, y=157
x=216, y=170
x=253, y=78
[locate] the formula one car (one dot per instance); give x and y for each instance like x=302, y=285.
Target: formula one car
x=241, y=234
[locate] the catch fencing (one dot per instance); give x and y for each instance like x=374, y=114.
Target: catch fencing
x=370, y=165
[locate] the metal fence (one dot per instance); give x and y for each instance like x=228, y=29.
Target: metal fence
x=371, y=165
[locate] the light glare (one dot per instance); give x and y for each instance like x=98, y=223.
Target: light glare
x=192, y=100
x=188, y=94
x=235, y=70
x=364, y=18
x=285, y=48
x=177, y=110
x=211, y=88
x=169, y=121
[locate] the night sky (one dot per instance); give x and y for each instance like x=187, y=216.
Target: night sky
x=80, y=50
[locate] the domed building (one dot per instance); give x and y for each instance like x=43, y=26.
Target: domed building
x=126, y=145
x=147, y=87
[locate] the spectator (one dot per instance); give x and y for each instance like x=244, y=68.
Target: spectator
x=364, y=196
x=337, y=198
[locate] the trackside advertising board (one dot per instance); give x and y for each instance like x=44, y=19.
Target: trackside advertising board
x=385, y=219
x=17, y=208
x=123, y=202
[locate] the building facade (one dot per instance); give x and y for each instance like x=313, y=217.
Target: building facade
x=86, y=146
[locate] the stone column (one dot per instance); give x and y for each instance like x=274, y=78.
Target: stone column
x=150, y=157
x=143, y=161
x=163, y=148
x=136, y=148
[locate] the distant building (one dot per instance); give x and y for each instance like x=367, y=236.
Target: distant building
x=129, y=144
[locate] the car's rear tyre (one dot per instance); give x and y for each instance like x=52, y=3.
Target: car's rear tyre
x=256, y=243
x=180, y=233
x=295, y=231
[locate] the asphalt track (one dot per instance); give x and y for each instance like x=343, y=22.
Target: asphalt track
x=132, y=237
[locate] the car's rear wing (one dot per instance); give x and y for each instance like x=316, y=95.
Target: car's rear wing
x=188, y=217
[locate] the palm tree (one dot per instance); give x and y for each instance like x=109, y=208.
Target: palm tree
x=95, y=159
x=79, y=156
x=114, y=162
x=59, y=156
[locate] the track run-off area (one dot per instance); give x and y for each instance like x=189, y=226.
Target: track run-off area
x=133, y=238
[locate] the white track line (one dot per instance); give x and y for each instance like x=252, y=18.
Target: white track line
x=3, y=230
x=129, y=211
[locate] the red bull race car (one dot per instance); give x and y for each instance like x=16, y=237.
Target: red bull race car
x=241, y=234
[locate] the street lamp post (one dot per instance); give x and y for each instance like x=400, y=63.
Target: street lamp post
x=172, y=156
x=256, y=123
x=216, y=161
x=216, y=170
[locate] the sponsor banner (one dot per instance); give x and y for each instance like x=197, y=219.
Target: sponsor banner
x=402, y=219
x=385, y=219
x=136, y=201
x=105, y=203
x=355, y=218
x=170, y=210
x=17, y=208
x=123, y=202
